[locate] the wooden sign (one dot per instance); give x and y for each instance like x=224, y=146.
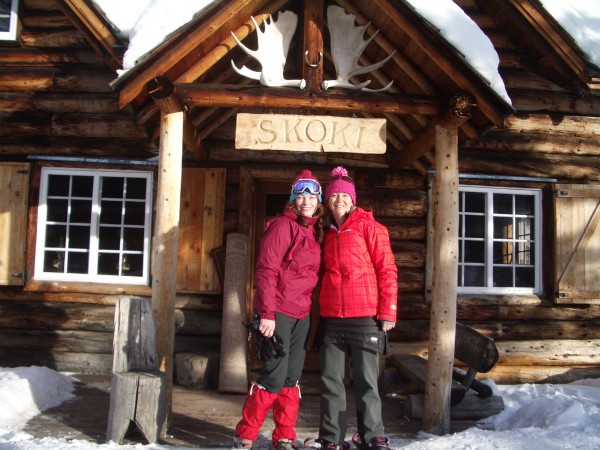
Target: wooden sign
x=309, y=133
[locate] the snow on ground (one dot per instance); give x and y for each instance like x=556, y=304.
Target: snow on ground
x=536, y=416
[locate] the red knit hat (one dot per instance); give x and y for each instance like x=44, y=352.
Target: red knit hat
x=340, y=182
x=298, y=186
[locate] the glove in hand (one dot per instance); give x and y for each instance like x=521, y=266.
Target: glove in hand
x=267, y=348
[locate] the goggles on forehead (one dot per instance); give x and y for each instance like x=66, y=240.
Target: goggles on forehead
x=306, y=187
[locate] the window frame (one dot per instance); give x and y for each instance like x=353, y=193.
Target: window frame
x=92, y=276
x=11, y=33
x=489, y=239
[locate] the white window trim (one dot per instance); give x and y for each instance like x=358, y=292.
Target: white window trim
x=11, y=34
x=40, y=275
x=537, y=194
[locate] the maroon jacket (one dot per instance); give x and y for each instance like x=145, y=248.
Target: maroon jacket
x=287, y=268
x=360, y=272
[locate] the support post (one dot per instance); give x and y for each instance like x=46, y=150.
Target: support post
x=442, y=331
x=166, y=237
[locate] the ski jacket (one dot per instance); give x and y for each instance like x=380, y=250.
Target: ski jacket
x=287, y=267
x=360, y=276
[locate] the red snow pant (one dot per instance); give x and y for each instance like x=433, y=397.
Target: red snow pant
x=259, y=401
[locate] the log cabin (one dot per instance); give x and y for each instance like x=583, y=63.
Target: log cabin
x=511, y=188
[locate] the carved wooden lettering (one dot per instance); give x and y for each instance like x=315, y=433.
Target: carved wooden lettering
x=309, y=133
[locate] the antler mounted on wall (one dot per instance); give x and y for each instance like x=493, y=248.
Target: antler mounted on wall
x=347, y=44
x=273, y=47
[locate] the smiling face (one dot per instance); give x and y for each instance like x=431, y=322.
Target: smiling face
x=340, y=204
x=306, y=204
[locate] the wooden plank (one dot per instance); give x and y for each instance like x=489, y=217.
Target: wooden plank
x=473, y=407
x=415, y=369
x=212, y=229
x=14, y=186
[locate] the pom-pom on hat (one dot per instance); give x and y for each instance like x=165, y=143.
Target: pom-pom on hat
x=340, y=182
x=305, y=183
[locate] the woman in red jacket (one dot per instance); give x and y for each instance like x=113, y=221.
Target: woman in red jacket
x=357, y=306
x=286, y=274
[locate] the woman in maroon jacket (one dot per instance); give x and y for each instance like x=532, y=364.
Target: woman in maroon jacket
x=286, y=274
x=357, y=306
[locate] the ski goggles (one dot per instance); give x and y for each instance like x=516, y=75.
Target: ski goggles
x=306, y=187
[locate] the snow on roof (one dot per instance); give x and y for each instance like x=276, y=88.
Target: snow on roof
x=148, y=22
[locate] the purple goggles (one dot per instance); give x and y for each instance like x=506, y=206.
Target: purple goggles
x=306, y=187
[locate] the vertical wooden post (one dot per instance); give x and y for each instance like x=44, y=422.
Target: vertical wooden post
x=436, y=418
x=312, y=66
x=166, y=237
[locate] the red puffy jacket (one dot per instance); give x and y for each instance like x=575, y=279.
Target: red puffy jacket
x=360, y=272
x=287, y=268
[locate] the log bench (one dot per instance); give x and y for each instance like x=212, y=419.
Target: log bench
x=469, y=397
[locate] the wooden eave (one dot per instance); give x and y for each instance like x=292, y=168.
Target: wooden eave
x=195, y=59
x=550, y=50
x=96, y=29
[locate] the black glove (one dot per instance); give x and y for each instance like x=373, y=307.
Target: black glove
x=270, y=348
x=266, y=348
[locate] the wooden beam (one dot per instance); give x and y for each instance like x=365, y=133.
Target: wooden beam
x=165, y=245
x=436, y=418
x=261, y=97
x=457, y=113
x=465, y=79
x=312, y=67
x=86, y=18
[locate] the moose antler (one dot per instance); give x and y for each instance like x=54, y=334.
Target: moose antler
x=273, y=46
x=347, y=44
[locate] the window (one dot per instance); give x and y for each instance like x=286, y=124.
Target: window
x=94, y=226
x=499, y=240
x=8, y=19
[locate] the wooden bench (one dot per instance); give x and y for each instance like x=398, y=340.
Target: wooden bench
x=138, y=388
x=480, y=355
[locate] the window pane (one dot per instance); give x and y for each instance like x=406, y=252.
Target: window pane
x=474, y=275
x=79, y=237
x=134, y=213
x=503, y=253
x=112, y=187
x=503, y=204
x=525, y=228
x=56, y=236
x=78, y=262
x=132, y=265
x=83, y=186
x=81, y=211
x=110, y=212
x=136, y=188
x=133, y=239
x=54, y=262
x=109, y=238
x=57, y=210
x=503, y=228
x=474, y=202
x=108, y=264
x=474, y=251
x=524, y=204
x=503, y=277
x=475, y=226
x=525, y=253
x=525, y=276
x=58, y=185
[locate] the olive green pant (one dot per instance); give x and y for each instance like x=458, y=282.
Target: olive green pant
x=365, y=370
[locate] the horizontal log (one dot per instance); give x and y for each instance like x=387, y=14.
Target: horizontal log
x=405, y=229
x=49, y=57
x=534, y=101
x=53, y=38
x=562, y=167
x=403, y=179
x=555, y=125
x=55, y=79
x=234, y=96
x=57, y=340
x=472, y=407
x=53, y=102
x=46, y=21
x=101, y=148
x=59, y=361
x=503, y=374
x=564, y=352
x=534, y=142
x=394, y=203
x=409, y=254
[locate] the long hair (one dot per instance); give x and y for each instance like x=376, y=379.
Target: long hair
x=319, y=213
